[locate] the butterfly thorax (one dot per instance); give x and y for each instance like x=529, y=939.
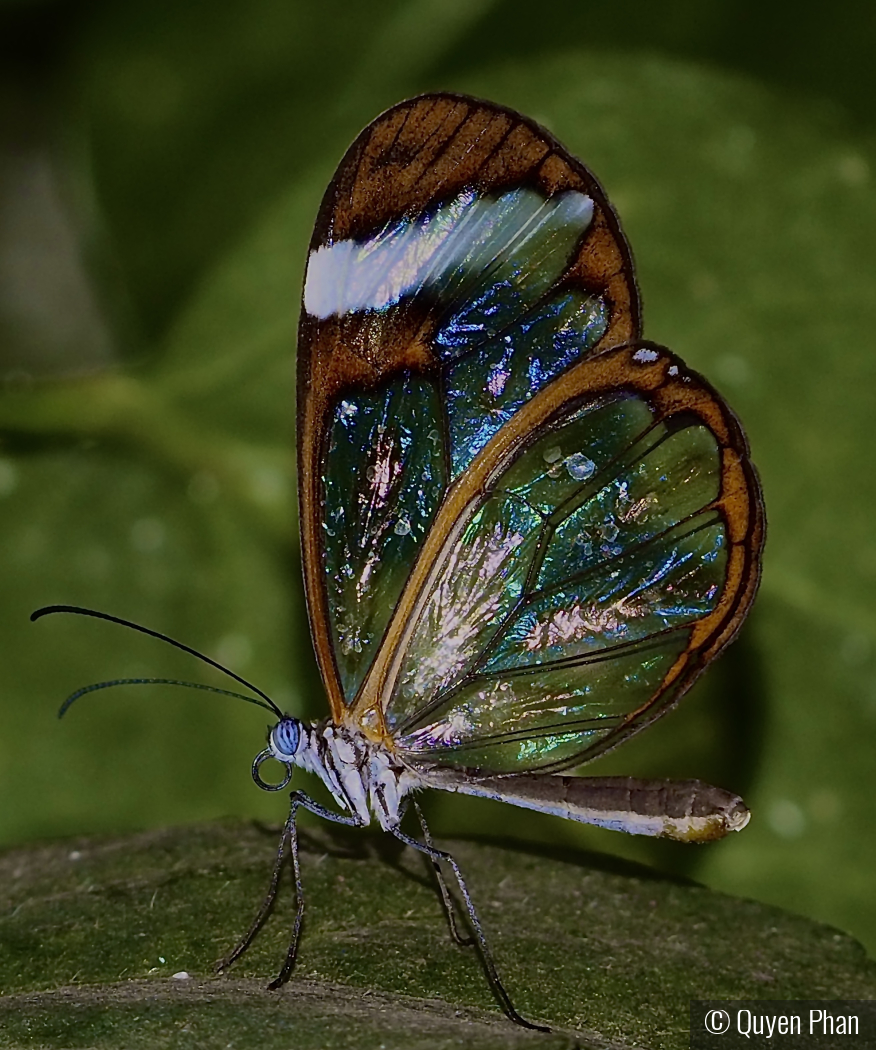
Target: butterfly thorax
x=363, y=777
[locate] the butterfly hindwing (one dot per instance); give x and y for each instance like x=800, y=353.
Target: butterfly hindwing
x=588, y=579
x=462, y=261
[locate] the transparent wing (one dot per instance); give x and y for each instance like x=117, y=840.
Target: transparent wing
x=384, y=478
x=582, y=589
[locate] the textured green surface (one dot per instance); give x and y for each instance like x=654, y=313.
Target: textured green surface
x=191, y=147
x=94, y=930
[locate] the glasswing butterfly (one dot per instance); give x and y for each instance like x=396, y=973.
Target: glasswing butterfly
x=525, y=530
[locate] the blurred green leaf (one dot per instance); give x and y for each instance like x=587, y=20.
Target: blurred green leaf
x=95, y=930
x=206, y=112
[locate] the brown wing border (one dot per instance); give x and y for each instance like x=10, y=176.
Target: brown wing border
x=415, y=155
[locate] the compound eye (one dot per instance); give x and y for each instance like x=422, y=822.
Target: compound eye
x=285, y=737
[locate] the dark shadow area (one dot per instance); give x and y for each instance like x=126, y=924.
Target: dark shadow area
x=356, y=844
x=799, y=49
x=310, y=689
x=743, y=704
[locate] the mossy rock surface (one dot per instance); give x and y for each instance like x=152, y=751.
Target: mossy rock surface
x=96, y=933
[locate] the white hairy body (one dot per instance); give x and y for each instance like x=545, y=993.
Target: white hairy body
x=363, y=778
x=367, y=779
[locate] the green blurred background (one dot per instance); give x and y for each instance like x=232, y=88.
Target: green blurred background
x=160, y=167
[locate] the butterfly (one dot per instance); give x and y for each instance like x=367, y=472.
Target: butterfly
x=525, y=530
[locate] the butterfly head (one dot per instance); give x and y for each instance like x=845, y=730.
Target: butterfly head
x=286, y=740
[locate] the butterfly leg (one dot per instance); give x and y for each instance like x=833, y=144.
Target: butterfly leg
x=436, y=855
x=290, y=835
x=265, y=909
x=300, y=799
x=446, y=899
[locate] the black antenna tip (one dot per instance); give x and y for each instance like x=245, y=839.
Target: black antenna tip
x=46, y=609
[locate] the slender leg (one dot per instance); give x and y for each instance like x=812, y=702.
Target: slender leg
x=292, y=951
x=290, y=833
x=446, y=899
x=264, y=911
x=437, y=855
x=300, y=799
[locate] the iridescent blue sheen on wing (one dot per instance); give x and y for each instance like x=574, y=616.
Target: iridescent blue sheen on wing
x=558, y=610
x=384, y=480
x=483, y=265
x=664, y=477
x=670, y=581
x=497, y=377
x=549, y=472
x=517, y=248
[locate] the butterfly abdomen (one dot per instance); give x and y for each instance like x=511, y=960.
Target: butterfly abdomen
x=683, y=810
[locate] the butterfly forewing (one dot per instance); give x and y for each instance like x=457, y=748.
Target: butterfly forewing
x=461, y=262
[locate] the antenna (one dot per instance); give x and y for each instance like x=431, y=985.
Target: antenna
x=50, y=609
x=158, y=681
